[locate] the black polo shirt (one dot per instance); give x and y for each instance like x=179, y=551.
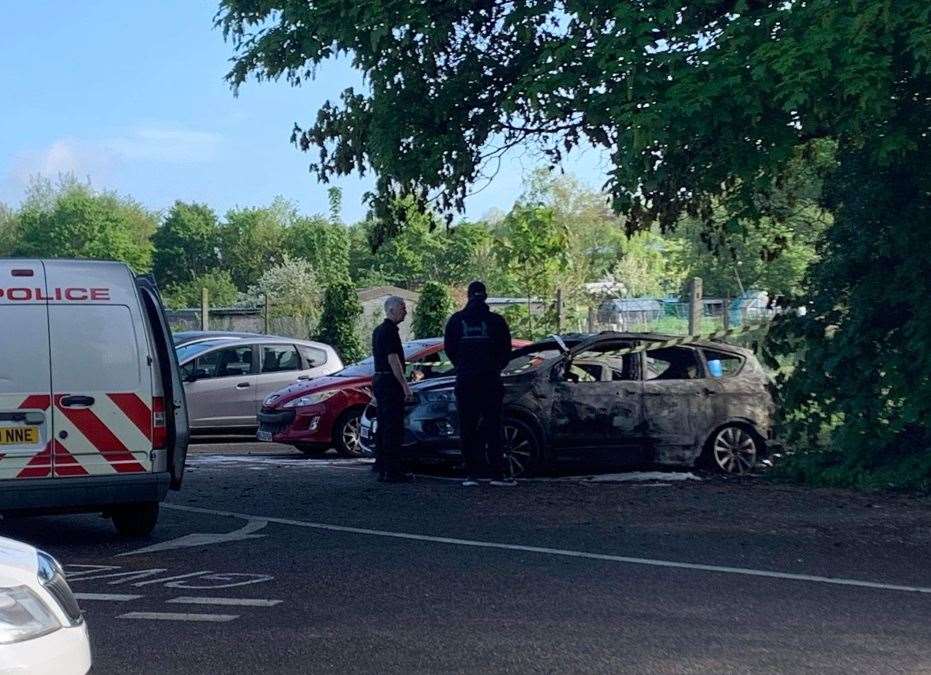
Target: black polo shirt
x=386, y=340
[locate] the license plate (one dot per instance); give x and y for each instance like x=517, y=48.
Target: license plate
x=19, y=435
x=264, y=435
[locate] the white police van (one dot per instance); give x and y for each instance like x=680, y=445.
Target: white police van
x=92, y=409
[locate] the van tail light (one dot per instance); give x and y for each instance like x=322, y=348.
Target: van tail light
x=159, y=427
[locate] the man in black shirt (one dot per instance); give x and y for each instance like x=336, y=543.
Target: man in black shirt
x=478, y=342
x=391, y=391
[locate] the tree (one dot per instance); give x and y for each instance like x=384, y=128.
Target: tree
x=649, y=266
x=9, y=230
x=531, y=246
x=417, y=254
x=323, y=243
x=186, y=244
x=251, y=241
x=292, y=290
x=337, y=327
x=70, y=220
x=468, y=255
x=220, y=288
x=701, y=105
x=433, y=310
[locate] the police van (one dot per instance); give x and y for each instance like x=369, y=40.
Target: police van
x=92, y=409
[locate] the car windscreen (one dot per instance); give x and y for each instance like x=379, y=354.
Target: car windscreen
x=366, y=367
x=188, y=352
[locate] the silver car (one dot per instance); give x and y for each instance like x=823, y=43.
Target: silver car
x=226, y=379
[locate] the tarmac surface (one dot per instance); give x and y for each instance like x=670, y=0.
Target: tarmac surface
x=268, y=561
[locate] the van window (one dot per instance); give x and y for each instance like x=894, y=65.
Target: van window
x=23, y=349
x=279, y=358
x=93, y=348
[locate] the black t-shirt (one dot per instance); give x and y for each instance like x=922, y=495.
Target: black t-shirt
x=386, y=340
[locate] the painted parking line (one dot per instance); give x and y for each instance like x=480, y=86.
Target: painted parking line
x=177, y=616
x=722, y=569
x=107, y=597
x=226, y=602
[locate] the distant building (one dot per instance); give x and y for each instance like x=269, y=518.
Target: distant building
x=373, y=310
x=626, y=312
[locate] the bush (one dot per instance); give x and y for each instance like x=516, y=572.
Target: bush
x=433, y=310
x=337, y=327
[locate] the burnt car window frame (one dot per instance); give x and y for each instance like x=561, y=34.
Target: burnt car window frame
x=696, y=352
x=740, y=358
x=601, y=349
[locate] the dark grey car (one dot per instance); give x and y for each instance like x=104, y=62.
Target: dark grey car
x=587, y=397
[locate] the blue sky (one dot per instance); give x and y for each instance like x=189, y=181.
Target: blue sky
x=131, y=95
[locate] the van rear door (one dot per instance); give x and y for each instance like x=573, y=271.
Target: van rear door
x=176, y=415
x=101, y=380
x=25, y=378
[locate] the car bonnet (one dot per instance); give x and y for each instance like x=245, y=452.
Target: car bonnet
x=304, y=387
x=18, y=563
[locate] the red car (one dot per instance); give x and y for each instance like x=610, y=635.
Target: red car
x=315, y=415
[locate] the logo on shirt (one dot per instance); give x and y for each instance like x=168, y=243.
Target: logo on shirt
x=475, y=331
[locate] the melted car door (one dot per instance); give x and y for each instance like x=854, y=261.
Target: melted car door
x=677, y=406
x=597, y=405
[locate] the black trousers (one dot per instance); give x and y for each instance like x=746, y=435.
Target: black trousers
x=479, y=401
x=389, y=397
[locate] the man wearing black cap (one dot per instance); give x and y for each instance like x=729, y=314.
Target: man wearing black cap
x=478, y=342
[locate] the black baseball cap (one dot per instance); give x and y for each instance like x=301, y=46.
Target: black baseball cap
x=477, y=290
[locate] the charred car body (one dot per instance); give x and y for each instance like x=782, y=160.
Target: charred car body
x=589, y=398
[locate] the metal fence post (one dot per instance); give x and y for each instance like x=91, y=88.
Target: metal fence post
x=695, y=306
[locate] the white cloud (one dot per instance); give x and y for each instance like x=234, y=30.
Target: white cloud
x=100, y=159
x=64, y=156
x=164, y=144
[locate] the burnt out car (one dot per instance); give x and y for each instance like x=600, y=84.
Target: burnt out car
x=590, y=398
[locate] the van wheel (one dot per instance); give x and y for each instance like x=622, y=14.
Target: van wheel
x=347, y=435
x=137, y=520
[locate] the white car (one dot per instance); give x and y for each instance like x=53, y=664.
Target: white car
x=42, y=630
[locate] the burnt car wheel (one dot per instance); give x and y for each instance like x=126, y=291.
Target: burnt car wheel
x=521, y=448
x=734, y=450
x=347, y=436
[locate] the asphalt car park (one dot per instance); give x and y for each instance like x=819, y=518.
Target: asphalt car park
x=270, y=561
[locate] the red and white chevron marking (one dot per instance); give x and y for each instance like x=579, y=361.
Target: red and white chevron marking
x=114, y=436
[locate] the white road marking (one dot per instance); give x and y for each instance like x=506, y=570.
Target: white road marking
x=231, y=602
x=110, y=597
x=297, y=461
x=204, y=539
x=177, y=616
x=839, y=581
x=177, y=576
